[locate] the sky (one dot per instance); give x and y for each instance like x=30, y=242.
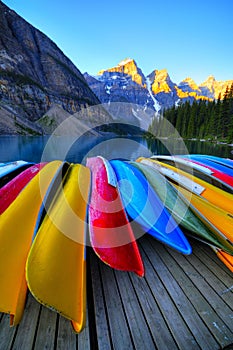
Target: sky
x=188, y=38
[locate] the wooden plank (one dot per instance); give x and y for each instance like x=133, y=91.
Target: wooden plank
x=120, y=334
x=214, y=277
x=174, y=321
x=28, y=326
x=212, y=258
x=190, y=281
x=214, y=264
x=224, y=311
x=100, y=311
x=45, y=338
x=153, y=315
x=83, y=338
x=66, y=338
x=190, y=328
x=7, y=333
x=138, y=327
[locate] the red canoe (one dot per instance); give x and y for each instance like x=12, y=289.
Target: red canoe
x=10, y=191
x=111, y=235
x=223, y=177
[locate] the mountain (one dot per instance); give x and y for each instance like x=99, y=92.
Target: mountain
x=35, y=75
x=127, y=83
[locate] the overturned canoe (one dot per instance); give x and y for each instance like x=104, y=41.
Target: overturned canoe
x=227, y=259
x=214, y=195
x=10, y=191
x=56, y=265
x=144, y=206
x=16, y=238
x=215, y=162
x=111, y=235
x=11, y=169
x=224, y=161
x=183, y=211
x=199, y=169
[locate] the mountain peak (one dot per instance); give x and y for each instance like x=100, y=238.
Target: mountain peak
x=161, y=81
x=210, y=79
x=127, y=67
x=188, y=84
x=209, y=83
x=126, y=61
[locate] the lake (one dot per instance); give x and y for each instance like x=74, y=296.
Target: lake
x=45, y=148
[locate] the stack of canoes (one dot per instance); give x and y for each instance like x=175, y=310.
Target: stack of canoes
x=49, y=211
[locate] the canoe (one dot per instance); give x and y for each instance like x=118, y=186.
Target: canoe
x=215, y=173
x=111, y=235
x=16, y=231
x=201, y=170
x=191, y=192
x=144, y=207
x=219, y=218
x=220, y=166
x=51, y=195
x=56, y=265
x=10, y=191
x=11, y=169
x=227, y=259
x=182, y=211
x=6, y=168
x=214, y=195
x=224, y=161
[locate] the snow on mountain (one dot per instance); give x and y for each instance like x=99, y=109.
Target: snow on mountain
x=157, y=106
x=188, y=85
x=125, y=61
x=126, y=82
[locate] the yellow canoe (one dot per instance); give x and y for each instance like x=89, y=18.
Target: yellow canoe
x=16, y=231
x=56, y=266
x=213, y=194
x=219, y=218
x=227, y=259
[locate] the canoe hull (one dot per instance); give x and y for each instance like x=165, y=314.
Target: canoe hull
x=56, y=265
x=111, y=235
x=144, y=207
x=15, y=241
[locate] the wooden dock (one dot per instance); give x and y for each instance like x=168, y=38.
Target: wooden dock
x=183, y=302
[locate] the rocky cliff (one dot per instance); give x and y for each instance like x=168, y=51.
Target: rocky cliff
x=34, y=75
x=126, y=82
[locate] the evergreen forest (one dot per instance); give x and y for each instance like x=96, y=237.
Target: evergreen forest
x=201, y=119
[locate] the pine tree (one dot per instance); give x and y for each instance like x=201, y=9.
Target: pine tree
x=200, y=119
x=191, y=130
x=225, y=114
x=230, y=129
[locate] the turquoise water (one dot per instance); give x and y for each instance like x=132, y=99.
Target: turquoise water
x=44, y=148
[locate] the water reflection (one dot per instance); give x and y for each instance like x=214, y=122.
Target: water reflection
x=171, y=146
x=110, y=146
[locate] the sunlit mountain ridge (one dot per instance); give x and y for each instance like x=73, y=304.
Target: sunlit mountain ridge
x=127, y=82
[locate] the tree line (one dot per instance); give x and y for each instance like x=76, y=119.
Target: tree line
x=201, y=119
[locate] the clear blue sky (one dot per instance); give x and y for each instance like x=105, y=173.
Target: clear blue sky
x=188, y=38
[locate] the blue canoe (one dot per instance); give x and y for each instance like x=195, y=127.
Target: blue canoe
x=224, y=161
x=11, y=169
x=206, y=160
x=143, y=205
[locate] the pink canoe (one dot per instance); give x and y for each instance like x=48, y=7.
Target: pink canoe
x=10, y=191
x=111, y=235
